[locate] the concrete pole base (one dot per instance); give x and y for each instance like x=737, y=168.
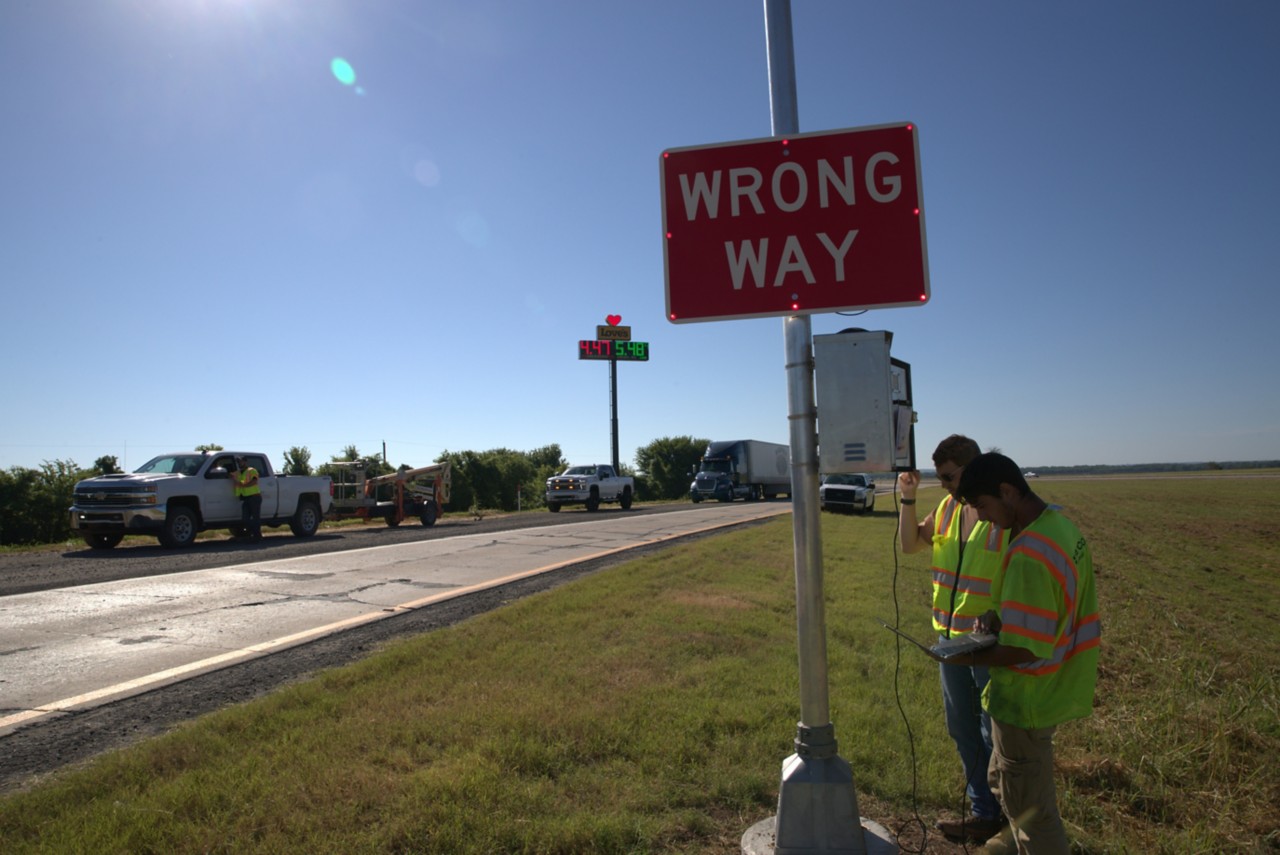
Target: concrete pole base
x=759, y=838
x=817, y=807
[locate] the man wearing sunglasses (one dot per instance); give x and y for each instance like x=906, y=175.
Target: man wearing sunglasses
x=967, y=554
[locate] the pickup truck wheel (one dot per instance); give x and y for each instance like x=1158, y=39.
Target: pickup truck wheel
x=392, y=522
x=593, y=501
x=180, y=528
x=103, y=541
x=306, y=519
x=625, y=501
x=554, y=507
x=429, y=515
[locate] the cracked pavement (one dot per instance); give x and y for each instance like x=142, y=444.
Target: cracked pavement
x=75, y=655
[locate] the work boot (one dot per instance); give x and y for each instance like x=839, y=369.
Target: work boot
x=971, y=829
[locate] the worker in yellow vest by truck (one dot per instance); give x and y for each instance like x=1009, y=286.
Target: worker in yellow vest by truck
x=1044, y=666
x=244, y=479
x=967, y=554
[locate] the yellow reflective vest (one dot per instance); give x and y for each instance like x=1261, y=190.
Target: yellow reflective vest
x=962, y=571
x=247, y=476
x=1048, y=605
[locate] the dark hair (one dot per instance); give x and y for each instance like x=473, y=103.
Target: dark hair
x=957, y=448
x=984, y=474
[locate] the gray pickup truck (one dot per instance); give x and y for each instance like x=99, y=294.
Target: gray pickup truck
x=176, y=496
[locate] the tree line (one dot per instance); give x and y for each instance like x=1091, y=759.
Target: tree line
x=34, y=503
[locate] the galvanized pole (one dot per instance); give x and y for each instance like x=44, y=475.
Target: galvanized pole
x=613, y=410
x=801, y=411
x=817, y=804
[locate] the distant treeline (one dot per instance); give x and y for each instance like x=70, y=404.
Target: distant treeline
x=34, y=503
x=1122, y=469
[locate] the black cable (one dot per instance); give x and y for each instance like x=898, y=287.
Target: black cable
x=897, y=694
x=915, y=804
x=964, y=794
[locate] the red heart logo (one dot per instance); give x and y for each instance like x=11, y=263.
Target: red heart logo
x=613, y=320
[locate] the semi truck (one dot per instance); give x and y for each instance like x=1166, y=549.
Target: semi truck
x=742, y=469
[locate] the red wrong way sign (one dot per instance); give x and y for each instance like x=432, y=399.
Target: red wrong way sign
x=819, y=222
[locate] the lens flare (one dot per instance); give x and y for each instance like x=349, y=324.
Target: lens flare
x=343, y=71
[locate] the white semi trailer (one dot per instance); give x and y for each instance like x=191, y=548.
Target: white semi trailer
x=742, y=469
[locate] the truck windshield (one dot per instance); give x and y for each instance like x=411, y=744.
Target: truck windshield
x=580, y=470
x=173, y=464
x=721, y=465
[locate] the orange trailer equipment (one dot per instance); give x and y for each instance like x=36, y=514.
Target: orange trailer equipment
x=420, y=492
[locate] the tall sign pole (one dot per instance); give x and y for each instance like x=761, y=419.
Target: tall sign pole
x=817, y=803
x=613, y=410
x=785, y=227
x=613, y=342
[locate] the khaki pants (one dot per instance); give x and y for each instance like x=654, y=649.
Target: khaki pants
x=1021, y=776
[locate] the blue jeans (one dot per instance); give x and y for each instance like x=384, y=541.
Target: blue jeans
x=970, y=729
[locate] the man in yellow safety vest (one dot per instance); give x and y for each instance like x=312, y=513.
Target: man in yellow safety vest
x=967, y=554
x=1044, y=667
x=244, y=480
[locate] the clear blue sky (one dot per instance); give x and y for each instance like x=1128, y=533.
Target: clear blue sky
x=207, y=236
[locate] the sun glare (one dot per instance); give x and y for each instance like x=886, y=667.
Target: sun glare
x=343, y=71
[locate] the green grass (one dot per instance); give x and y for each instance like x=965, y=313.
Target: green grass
x=648, y=708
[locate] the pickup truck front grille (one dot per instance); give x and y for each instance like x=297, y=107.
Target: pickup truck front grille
x=112, y=499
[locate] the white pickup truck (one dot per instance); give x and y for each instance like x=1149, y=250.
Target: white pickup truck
x=176, y=496
x=589, y=485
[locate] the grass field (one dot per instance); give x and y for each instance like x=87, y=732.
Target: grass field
x=648, y=708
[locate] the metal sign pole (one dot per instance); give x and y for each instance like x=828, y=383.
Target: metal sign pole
x=817, y=804
x=613, y=411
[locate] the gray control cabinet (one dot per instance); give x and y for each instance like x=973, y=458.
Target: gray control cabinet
x=866, y=422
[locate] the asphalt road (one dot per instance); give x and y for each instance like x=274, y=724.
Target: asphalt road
x=143, y=556
x=76, y=735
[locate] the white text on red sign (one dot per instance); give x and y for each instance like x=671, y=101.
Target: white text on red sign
x=788, y=192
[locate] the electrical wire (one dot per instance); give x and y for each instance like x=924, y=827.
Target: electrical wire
x=897, y=669
x=897, y=695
